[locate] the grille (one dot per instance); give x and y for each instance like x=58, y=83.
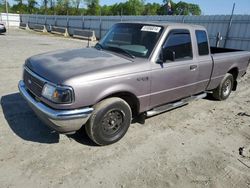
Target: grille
x=32, y=83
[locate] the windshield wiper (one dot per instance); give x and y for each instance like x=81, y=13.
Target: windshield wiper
x=117, y=49
x=98, y=46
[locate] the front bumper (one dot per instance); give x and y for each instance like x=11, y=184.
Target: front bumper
x=63, y=121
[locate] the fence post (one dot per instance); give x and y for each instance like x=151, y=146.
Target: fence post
x=183, y=19
x=28, y=20
x=67, y=22
x=20, y=18
x=229, y=26
x=55, y=20
x=45, y=23
x=100, y=28
x=82, y=22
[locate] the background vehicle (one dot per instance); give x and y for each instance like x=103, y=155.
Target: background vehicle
x=137, y=69
x=2, y=28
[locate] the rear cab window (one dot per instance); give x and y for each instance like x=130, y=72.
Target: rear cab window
x=202, y=42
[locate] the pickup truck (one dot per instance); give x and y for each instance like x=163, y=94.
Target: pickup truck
x=136, y=70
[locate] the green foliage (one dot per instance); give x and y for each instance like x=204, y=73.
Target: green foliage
x=62, y=7
x=76, y=7
x=93, y=7
x=183, y=8
x=19, y=7
x=152, y=9
x=2, y=6
x=106, y=10
x=133, y=7
x=72, y=7
x=31, y=7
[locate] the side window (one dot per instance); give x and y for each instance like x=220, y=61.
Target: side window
x=179, y=44
x=202, y=42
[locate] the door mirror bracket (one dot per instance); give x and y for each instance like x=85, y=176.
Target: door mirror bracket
x=166, y=55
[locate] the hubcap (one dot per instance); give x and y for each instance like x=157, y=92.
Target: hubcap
x=112, y=122
x=227, y=87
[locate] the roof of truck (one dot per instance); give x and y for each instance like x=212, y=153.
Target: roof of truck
x=166, y=24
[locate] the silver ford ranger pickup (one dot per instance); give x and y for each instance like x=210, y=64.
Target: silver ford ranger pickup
x=136, y=70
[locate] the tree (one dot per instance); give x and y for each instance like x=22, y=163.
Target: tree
x=183, y=8
x=93, y=7
x=45, y=6
x=133, y=7
x=20, y=7
x=194, y=9
x=151, y=9
x=2, y=6
x=62, y=7
x=73, y=7
x=31, y=8
x=106, y=10
x=117, y=9
x=52, y=5
x=76, y=5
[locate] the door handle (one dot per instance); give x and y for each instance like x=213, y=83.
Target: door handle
x=193, y=67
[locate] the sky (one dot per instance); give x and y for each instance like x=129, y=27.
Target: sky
x=208, y=7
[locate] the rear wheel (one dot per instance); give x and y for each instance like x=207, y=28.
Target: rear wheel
x=109, y=121
x=223, y=91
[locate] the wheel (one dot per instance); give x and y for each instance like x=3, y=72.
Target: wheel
x=109, y=121
x=223, y=91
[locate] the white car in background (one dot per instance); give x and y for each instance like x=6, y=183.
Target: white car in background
x=2, y=28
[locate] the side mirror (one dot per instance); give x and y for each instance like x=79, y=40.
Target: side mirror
x=169, y=55
x=165, y=55
x=161, y=58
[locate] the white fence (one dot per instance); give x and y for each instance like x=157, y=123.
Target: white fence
x=235, y=32
x=12, y=19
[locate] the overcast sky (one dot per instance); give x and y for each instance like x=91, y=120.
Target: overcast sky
x=207, y=6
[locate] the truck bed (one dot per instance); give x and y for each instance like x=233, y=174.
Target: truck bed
x=216, y=50
x=226, y=60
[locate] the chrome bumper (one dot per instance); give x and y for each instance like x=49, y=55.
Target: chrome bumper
x=63, y=121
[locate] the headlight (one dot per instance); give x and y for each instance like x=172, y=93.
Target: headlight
x=57, y=94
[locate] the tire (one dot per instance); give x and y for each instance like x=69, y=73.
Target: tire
x=109, y=121
x=223, y=91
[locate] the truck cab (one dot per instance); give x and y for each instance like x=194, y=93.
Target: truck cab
x=183, y=63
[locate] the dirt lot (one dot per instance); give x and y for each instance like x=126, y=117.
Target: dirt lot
x=193, y=146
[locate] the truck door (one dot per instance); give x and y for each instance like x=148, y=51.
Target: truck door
x=175, y=77
x=205, y=60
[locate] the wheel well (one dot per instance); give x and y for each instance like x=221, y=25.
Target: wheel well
x=234, y=72
x=130, y=98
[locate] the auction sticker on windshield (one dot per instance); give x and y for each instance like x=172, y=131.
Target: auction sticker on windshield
x=151, y=28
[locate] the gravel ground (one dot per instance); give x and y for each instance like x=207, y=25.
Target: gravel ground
x=193, y=146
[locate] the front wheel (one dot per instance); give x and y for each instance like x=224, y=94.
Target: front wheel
x=109, y=121
x=223, y=91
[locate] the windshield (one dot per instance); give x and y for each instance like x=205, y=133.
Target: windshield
x=135, y=40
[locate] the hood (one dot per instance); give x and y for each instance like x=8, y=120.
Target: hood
x=59, y=66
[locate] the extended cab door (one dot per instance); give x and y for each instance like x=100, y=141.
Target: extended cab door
x=176, y=76
x=205, y=60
